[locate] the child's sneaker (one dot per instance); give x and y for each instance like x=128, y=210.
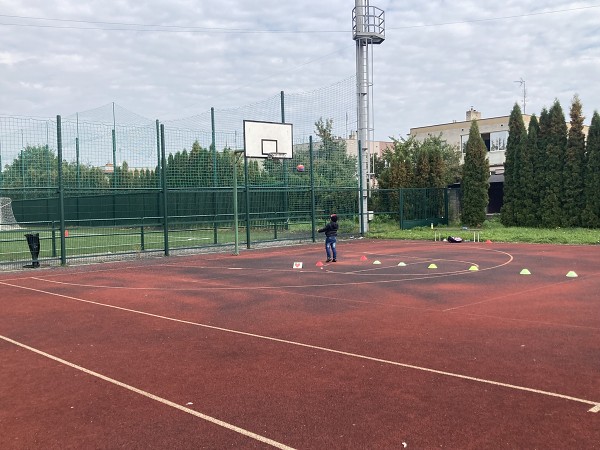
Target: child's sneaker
x=334, y=260
x=328, y=260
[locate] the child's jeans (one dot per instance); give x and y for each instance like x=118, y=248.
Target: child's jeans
x=330, y=242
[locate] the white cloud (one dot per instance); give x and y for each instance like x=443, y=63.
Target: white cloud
x=439, y=57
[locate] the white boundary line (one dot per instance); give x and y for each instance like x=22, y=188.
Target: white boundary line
x=164, y=401
x=404, y=278
x=595, y=404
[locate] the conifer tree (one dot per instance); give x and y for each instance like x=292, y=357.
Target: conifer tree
x=573, y=177
x=517, y=137
x=591, y=214
x=556, y=144
x=529, y=195
x=539, y=161
x=475, y=180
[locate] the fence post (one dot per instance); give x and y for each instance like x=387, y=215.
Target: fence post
x=157, y=173
x=361, y=208
x=215, y=179
x=401, y=205
x=142, y=238
x=61, y=192
x=165, y=195
x=235, y=203
x=114, y=155
x=247, y=200
x=158, y=176
x=284, y=168
x=53, y=239
x=313, y=212
x=446, y=206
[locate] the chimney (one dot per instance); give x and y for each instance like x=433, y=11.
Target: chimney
x=473, y=114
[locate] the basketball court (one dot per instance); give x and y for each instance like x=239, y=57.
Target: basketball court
x=397, y=345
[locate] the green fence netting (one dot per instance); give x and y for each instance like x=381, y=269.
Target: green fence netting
x=108, y=182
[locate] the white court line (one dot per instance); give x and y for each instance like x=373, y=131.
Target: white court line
x=595, y=404
x=299, y=286
x=152, y=396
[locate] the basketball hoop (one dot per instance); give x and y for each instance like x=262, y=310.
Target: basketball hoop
x=276, y=155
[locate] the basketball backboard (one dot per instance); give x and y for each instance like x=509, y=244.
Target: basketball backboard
x=267, y=139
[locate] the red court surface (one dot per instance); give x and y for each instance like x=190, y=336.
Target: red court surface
x=397, y=345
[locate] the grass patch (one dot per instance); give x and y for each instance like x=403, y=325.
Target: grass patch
x=492, y=230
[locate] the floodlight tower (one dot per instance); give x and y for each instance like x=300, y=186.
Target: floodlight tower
x=368, y=28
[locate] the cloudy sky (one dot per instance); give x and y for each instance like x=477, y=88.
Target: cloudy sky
x=177, y=58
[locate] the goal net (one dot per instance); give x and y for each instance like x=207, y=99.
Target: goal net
x=7, y=217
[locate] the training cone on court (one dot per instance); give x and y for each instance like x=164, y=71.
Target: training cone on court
x=488, y=242
x=473, y=268
x=525, y=272
x=432, y=266
x=319, y=264
x=363, y=258
x=376, y=262
x=572, y=274
x=402, y=264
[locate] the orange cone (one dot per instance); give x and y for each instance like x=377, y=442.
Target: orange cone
x=319, y=264
x=363, y=258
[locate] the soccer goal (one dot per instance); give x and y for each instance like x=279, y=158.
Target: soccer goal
x=7, y=217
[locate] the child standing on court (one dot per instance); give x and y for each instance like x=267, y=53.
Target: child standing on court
x=331, y=238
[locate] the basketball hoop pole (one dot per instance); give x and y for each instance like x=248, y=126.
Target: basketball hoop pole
x=236, y=251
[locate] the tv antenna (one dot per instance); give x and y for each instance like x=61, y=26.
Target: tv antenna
x=521, y=82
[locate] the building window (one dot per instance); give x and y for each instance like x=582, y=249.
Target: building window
x=494, y=142
x=498, y=141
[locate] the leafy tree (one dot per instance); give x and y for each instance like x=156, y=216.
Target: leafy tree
x=573, y=169
x=334, y=170
x=398, y=172
x=378, y=166
x=437, y=167
x=591, y=214
x=34, y=167
x=411, y=163
x=517, y=140
x=422, y=169
x=556, y=143
x=475, y=180
x=398, y=167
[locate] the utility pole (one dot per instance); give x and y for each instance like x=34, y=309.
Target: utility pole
x=368, y=28
x=521, y=81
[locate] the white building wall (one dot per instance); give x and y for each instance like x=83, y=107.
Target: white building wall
x=457, y=133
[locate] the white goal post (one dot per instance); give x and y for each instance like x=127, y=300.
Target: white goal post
x=7, y=217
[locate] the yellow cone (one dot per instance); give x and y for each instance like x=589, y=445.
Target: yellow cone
x=572, y=274
x=432, y=266
x=473, y=268
x=402, y=264
x=376, y=262
x=525, y=272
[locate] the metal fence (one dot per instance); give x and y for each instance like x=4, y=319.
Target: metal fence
x=94, y=191
x=108, y=184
